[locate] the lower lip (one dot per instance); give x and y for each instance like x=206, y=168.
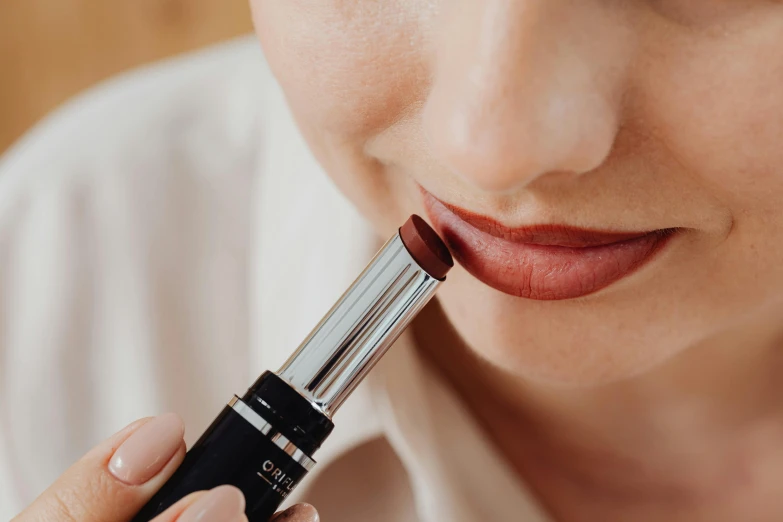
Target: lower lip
x=542, y=272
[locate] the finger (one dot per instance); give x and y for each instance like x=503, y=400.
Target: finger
x=117, y=477
x=222, y=504
x=297, y=513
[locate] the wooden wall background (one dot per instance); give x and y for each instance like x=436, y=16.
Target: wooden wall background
x=52, y=49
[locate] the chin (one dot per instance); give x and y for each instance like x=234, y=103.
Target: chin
x=562, y=344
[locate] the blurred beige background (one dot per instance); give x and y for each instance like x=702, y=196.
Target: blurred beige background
x=52, y=49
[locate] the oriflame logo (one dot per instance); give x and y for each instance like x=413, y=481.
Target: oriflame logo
x=277, y=478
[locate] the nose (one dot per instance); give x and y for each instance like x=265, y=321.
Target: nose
x=523, y=88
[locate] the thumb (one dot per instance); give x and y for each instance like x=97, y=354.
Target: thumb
x=297, y=513
x=116, y=478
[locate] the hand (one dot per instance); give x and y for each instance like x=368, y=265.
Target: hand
x=116, y=478
x=297, y=513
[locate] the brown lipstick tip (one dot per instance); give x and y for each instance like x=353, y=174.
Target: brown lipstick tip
x=426, y=247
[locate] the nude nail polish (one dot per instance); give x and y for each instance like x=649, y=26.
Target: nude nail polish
x=144, y=454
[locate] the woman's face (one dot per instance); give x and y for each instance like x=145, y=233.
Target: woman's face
x=612, y=170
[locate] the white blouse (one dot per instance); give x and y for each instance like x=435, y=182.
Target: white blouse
x=141, y=232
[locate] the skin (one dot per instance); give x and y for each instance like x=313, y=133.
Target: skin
x=656, y=398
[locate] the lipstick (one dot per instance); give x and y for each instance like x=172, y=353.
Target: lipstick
x=264, y=442
x=543, y=262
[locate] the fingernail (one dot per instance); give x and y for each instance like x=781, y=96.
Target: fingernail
x=298, y=513
x=222, y=504
x=147, y=451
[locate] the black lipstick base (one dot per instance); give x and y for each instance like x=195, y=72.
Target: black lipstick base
x=252, y=446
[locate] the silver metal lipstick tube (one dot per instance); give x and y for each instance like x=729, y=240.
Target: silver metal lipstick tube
x=359, y=329
x=264, y=442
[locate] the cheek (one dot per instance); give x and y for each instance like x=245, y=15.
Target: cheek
x=348, y=68
x=717, y=106
x=721, y=116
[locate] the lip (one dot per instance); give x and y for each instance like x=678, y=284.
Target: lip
x=542, y=262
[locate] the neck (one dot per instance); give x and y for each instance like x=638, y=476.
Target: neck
x=698, y=434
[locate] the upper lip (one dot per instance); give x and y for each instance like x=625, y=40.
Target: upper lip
x=544, y=262
x=556, y=235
